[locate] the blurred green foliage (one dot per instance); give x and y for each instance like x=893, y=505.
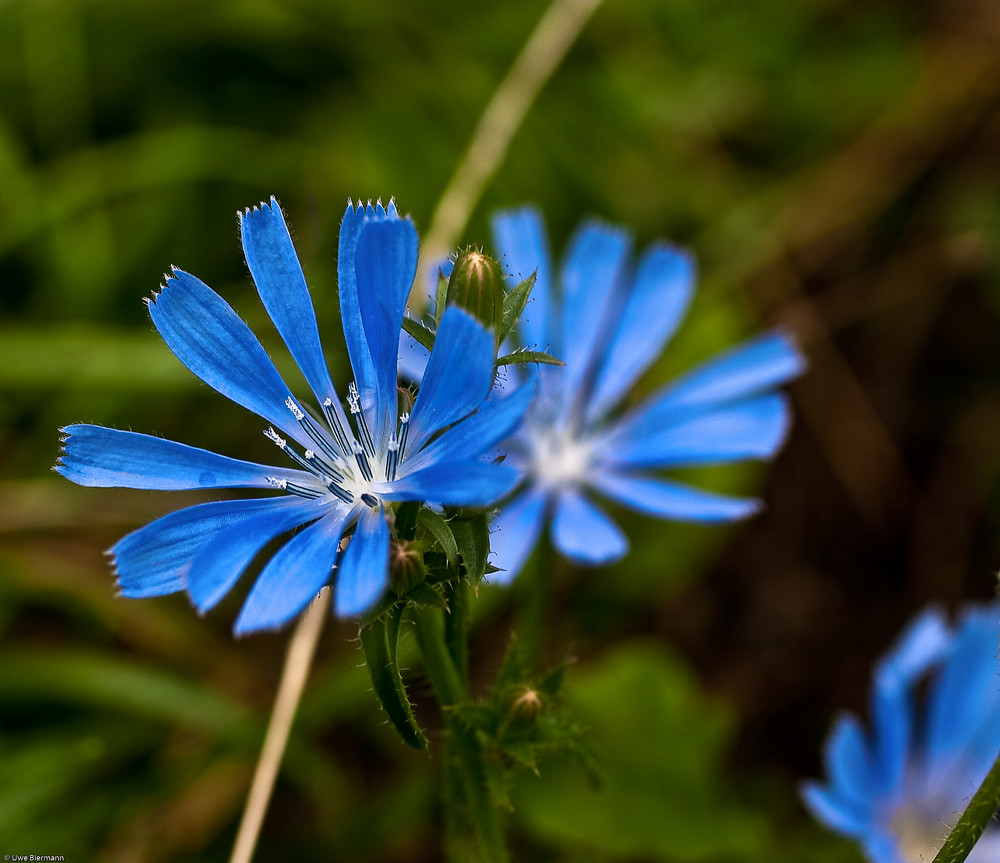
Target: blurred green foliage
x=833, y=165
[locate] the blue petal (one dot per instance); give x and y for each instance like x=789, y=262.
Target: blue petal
x=473, y=483
x=519, y=237
x=211, y=340
x=963, y=732
x=846, y=757
x=584, y=533
x=892, y=725
x=658, y=300
x=592, y=269
x=457, y=378
x=672, y=500
x=515, y=532
x=155, y=560
x=755, y=428
x=354, y=221
x=282, y=287
x=221, y=562
x=917, y=650
x=493, y=421
x=752, y=368
x=363, y=572
x=293, y=577
x=411, y=360
x=843, y=816
x=108, y=458
x=385, y=262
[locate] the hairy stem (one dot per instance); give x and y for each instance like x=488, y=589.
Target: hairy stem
x=463, y=750
x=293, y=678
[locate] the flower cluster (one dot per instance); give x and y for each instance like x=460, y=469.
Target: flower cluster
x=350, y=466
x=608, y=323
x=935, y=732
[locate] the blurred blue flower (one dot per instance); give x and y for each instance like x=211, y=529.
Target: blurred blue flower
x=608, y=323
x=936, y=730
x=347, y=469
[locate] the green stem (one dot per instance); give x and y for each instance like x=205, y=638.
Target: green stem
x=971, y=825
x=456, y=628
x=462, y=746
x=536, y=603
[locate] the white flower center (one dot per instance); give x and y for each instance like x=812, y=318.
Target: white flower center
x=343, y=466
x=558, y=458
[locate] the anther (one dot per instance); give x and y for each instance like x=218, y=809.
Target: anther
x=315, y=432
x=342, y=493
x=295, y=409
x=404, y=430
x=336, y=425
x=359, y=420
x=291, y=453
x=392, y=459
x=294, y=488
x=370, y=500
x=362, y=460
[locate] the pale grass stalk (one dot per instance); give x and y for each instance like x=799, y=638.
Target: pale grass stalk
x=293, y=681
x=542, y=53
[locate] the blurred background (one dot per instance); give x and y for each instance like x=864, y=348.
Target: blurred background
x=833, y=165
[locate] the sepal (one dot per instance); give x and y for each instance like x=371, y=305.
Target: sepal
x=523, y=356
x=514, y=302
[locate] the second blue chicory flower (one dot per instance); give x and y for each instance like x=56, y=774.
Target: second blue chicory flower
x=608, y=323
x=348, y=464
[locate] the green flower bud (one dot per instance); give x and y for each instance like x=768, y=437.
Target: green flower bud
x=406, y=566
x=528, y=703
x=476, y=285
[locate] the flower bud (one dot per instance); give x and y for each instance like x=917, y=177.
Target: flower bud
x=476, y=285
x=406, y=567
x=527, y=705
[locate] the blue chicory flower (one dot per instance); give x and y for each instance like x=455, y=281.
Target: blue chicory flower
x=936, y=730
x=608, y=323
x=348, y=468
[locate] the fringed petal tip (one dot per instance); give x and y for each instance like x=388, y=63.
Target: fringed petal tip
x=248, y=212
x=173, y=280
x=376, y=210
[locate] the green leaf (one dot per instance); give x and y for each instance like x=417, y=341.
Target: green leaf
x=514, y=302
x=472, y=533
x=523, y=357
x=379, y=640
x=114, y=684
x=422, y=334
x=439, y=530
